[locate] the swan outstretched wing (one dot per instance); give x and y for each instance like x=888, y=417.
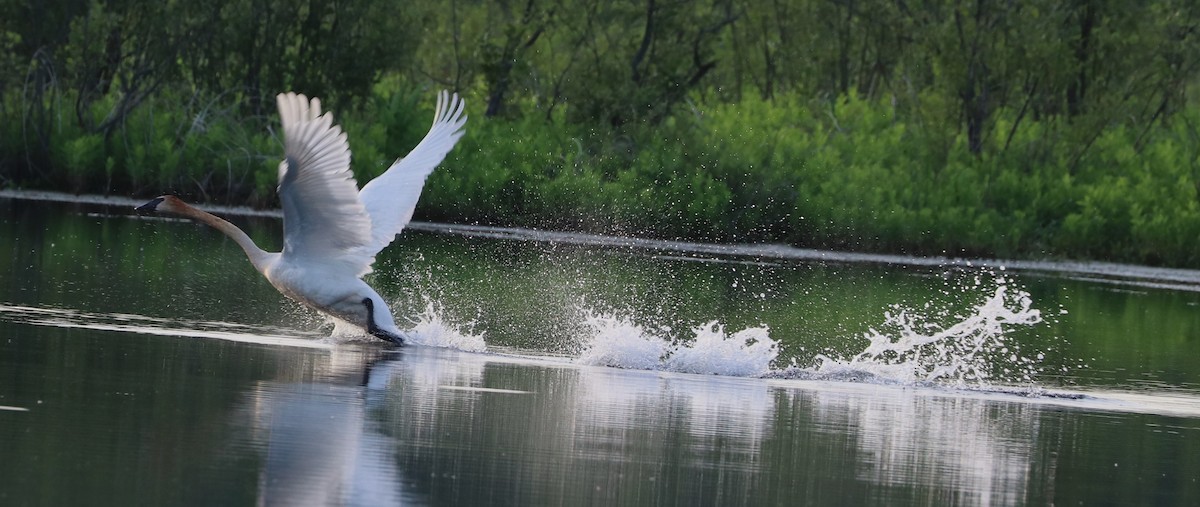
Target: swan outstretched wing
x=323, y=218
x=391, y=198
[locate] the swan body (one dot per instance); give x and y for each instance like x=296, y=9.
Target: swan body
x=333, y=230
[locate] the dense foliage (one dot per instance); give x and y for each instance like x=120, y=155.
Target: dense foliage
x=1025, y=128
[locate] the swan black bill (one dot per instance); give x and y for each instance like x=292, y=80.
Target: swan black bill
x=150, y=206
x=374, y=330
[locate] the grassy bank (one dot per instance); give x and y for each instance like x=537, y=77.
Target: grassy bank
x=843, y=174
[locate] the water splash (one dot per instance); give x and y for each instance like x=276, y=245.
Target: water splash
x=911, y=346
x=940, y=340
x=431, y=329
x=748, y=352
x=619, y=342
x=914, y=347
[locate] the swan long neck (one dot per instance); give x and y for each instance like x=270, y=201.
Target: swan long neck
x=257, y=256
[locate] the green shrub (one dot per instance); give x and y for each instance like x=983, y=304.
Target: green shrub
x=848, y=173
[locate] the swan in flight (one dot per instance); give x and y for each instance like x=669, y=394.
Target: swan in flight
x=331, y=229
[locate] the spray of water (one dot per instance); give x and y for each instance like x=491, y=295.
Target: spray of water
x=431, y=329
x=748, y=352
x=619, y=342
x=911, y=346
x=936, y=341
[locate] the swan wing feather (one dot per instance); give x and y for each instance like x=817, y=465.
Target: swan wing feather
x=391, y=198
x=323, y=218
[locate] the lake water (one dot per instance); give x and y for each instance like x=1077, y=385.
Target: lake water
x=143, y=361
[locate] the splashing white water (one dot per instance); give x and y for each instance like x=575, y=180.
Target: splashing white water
x=909, y=347
x=432, y=330
x=921, y=344
x=914, y=348
x=748, y=352
x=619, y=342
x=429, y=328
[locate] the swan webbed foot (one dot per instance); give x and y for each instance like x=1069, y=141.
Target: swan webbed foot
x=374, y=330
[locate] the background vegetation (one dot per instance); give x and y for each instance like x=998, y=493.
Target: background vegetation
x=1020, y=128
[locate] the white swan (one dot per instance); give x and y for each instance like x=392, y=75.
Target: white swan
x=331, y=229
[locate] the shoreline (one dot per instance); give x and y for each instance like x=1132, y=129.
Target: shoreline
x=1099, y=271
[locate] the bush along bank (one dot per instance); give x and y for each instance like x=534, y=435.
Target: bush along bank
x=843, y=174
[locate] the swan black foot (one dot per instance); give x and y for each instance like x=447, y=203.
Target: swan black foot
x=374, y=330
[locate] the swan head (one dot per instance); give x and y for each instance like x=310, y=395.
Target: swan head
x=163, y=203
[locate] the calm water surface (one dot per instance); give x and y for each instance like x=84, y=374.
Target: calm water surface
x=143, y=361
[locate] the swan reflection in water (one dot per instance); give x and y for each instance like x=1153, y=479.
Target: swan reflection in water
x=320, y=446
